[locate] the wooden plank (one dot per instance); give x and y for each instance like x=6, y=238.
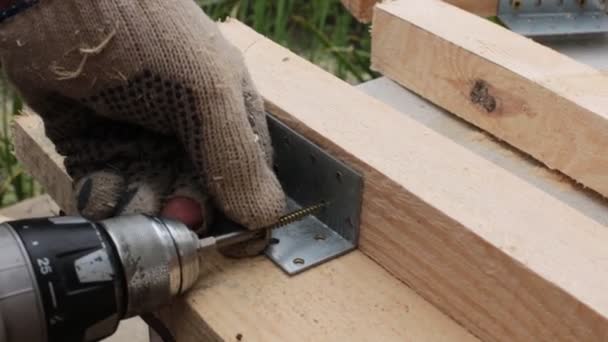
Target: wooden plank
x=39, y=206
x=362, y=10
x=506, y=259
x=459, y=229
x=350, y=298
x=487, y=147
x=34, y=150
x=484, y=8
x=528, y=95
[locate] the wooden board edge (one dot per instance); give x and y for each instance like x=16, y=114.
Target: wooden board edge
x=363, y=10
x=401, y=231
x=33, y=149
x=553, y=108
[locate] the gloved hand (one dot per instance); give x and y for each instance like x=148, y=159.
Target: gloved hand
x=148, y=102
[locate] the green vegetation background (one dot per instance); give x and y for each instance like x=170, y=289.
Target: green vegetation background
x=319, y=30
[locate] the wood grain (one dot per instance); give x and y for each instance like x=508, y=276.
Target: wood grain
x=506, y=259
x=484, y=8
x=348, y=299
x=351, y=298
x=362, y=10
x=526, y=94
x=34, y=150
x=39, y=206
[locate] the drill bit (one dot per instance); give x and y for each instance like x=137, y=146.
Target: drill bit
x=234, y=238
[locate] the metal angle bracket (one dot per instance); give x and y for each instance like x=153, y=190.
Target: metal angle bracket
x=554, y=18
x=309, y=176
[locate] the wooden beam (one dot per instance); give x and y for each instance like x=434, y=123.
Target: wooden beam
x=34, y=150
x=528, y=95
x=484, y=8
x=456, y=227
x=362, y=10
x=506, y=259
x=351, y=298
x=348, y=299
x=39, y=206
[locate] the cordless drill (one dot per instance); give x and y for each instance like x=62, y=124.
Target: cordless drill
x=69, y=279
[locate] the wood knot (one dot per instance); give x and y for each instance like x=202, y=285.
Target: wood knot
x=480, y=95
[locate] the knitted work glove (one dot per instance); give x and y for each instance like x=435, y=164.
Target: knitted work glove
x=147, y=101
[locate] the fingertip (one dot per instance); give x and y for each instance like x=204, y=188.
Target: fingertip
x=185, y=210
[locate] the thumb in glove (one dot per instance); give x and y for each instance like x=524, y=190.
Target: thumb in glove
x=139, y=96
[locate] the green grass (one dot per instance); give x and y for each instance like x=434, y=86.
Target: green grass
x=319, y=30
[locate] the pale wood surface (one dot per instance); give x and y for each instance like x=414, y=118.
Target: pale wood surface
x=505, y=258
x=350, y=298
x=487, y=147
x=34, y=150
x=484, y=8
x=363, y=10
x=534, y=98
x=39, y=206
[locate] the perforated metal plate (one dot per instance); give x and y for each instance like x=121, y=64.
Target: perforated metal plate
x=309, y=176
x=554, y=18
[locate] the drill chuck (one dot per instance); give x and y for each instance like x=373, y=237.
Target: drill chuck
x=69, y=279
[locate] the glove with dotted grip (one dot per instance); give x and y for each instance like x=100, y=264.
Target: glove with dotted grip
x=146, y=100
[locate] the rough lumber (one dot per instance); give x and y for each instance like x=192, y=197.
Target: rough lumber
x=487, y=147
x=348, y=299
x=34, y=150
x=351, y=298
x=484, y=8
x=39, y=206
x=506, y=259
x=534, y=98
x=362, y=10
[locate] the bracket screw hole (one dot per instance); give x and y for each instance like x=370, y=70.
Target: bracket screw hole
x=320, y=237
x=274, y=241
x=299, y=261
x=339, y=176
